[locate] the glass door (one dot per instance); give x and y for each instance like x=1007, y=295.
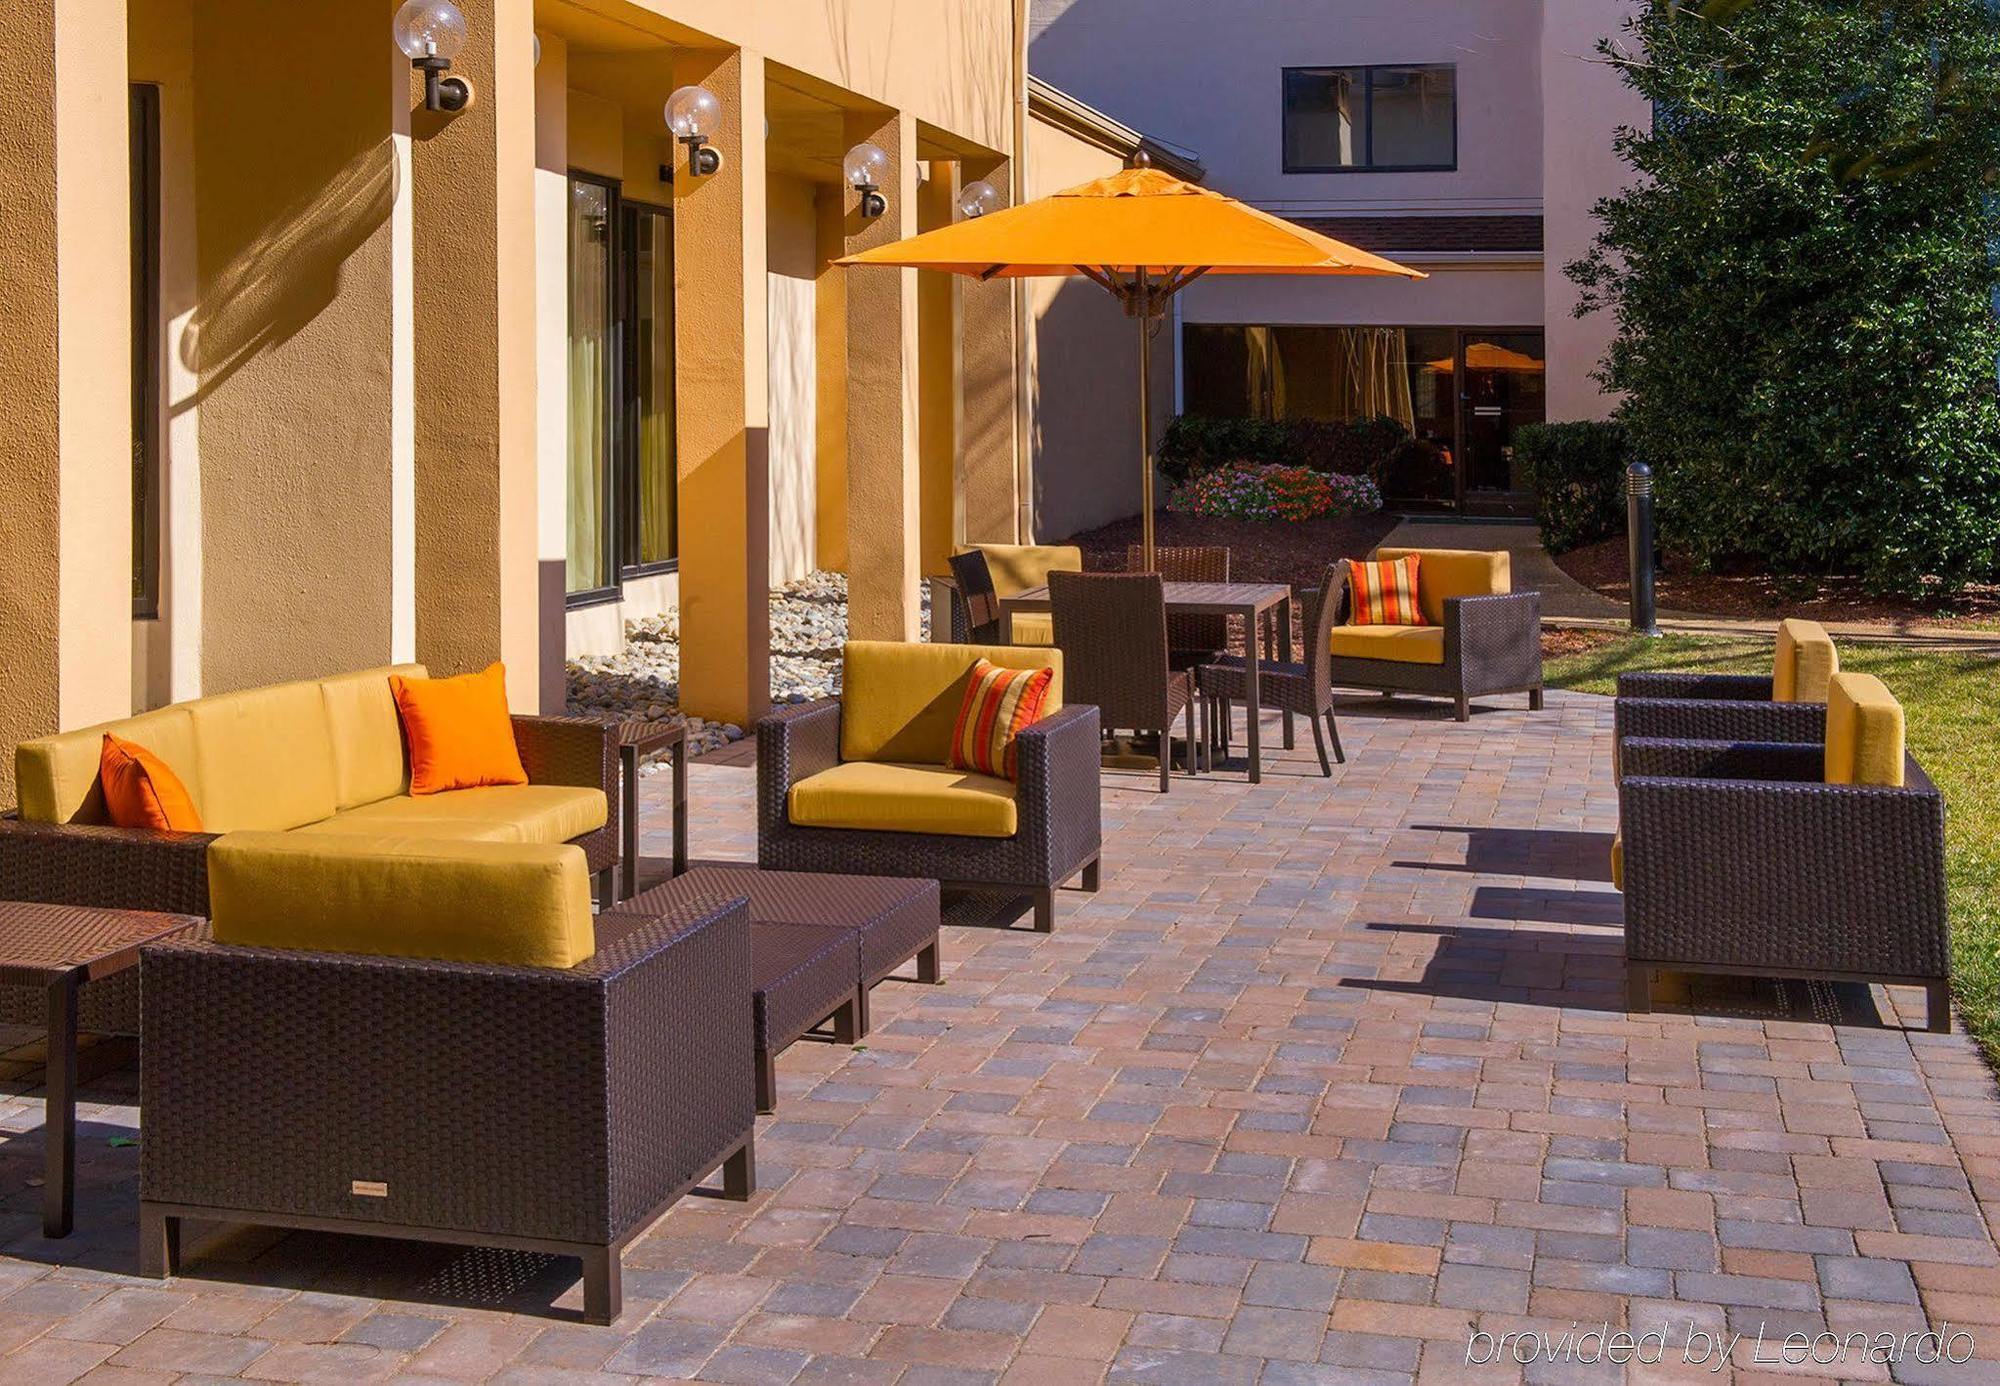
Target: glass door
x=646, y=272
x=1503, y=385
x=588, y=549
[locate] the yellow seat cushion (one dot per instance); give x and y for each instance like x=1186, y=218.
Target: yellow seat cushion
x=899, y=701
x=881, y=797
x=1447, y=573
x=55, y=777
x=1402, y=644
x=1864, y=732
x=1618, y=861
x=369, y=761
x=265, y=758
x=483, y=902
x=541, y=813
x=1806, y=662
x=1017, y=567
x=1034, y=628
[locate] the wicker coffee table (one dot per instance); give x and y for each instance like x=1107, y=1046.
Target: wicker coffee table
x=60, y=948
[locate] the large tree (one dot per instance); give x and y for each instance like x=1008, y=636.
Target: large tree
x=1803, y=273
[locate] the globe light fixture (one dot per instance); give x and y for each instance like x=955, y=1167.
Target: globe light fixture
x=431, y=33
x=977, y=198
x=693, y=114
x=864, y=168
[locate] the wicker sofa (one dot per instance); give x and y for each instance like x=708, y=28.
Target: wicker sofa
x=1479, y=636
x=1787, y=706
x=316, y=757
x=860, y=785
x=438, y=1041
x=1808, y=861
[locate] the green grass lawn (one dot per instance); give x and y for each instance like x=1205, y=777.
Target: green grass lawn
x=1953, y=705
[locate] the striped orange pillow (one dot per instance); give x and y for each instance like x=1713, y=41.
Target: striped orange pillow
x=998, y=703
x=1383, y=593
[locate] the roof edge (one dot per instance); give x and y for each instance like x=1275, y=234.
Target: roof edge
x=1056, y=107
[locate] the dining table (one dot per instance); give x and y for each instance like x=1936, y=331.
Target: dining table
x=1252, y=601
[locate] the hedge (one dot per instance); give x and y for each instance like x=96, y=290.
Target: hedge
x=1196, y=443
x=1578, y=472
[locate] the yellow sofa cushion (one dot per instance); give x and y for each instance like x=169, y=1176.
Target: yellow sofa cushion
x=1618, y=862
x=55, y=777
x=483, y=902
x=543, y=813
x=1017, y=567
x=1864, y=732
x=899, y=701
x=1034, y=628
x=1445, y=573
x=882, y=797
x=1806, y=662
x=265, y=758
x=369, y=761
x=1403, y=644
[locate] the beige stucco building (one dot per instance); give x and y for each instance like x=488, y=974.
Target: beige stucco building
x=308, y=377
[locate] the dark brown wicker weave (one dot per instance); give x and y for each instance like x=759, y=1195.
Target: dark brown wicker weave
x=529, y=1108
x=1739, y=858
x=1112, y=631
x=1057, y=800
x=1711, y=707
x=975, y=606
x=1191, y=640
x=1303, y=688
x=800, y=975
x=140, y=869
x=1491, y=645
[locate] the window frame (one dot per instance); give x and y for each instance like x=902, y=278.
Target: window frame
x=610, y=587
x=148, y=356
x=1368, y=71
x=625, y=397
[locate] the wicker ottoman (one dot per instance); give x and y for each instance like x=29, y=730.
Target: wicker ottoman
x=800, y=975
x=891, y=920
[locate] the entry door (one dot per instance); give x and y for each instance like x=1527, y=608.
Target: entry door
x=1502, y=385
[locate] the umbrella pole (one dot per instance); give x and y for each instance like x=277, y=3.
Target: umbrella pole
x=1143, y=314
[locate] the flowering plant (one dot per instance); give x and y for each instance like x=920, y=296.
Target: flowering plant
x=1247, y=491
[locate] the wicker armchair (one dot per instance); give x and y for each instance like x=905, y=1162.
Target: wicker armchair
x=1482, y=638
x=1788, y=706
x=1191, y=640
x=1054, y=802
x=534, y=1108
x=970, y=597
x=1303, y=688
x=1747, y=857
x=1112, y=630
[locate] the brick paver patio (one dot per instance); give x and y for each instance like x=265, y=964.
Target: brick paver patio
x=1330, y=1075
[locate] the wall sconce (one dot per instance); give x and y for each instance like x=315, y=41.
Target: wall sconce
x=430, y=33
x=865, y=167
x=977, y=198
x=692, y=114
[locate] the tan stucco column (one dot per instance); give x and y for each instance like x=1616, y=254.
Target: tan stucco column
x=884, y=502
x=66, y=433
x=722, y=406
x=473, y=309
x=986, y=442
x=938, y=383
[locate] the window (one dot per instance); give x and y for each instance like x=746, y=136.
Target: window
x=622, y=493
x=146, y=362
x=1388, y=117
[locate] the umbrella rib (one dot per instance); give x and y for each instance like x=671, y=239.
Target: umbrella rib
x=989, y=272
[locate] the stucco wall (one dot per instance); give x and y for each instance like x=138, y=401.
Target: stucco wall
x=791, y=275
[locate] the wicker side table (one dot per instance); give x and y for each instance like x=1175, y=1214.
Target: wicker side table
x=637, y=740
x=60, y=948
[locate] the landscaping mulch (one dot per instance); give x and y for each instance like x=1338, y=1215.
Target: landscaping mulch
x=1259, y=550
x=1760, y=596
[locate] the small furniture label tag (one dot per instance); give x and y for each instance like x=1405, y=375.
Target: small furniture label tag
x=368, y=1188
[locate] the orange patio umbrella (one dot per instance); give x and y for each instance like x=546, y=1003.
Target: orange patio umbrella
x=1143, y=236
x=1488, y=356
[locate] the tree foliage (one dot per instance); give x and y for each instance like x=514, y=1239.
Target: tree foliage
x=1803, y=275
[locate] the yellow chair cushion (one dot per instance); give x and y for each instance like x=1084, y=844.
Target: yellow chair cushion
x=1864, y=732
x=265, y=758
x=369, y=762
x=1618, y=862
x=1806, y=662
x=544, y=813
x=899, y=701
x=1403, y=644
x=55, y=777
x=1034, y=628
x=881, y=797
x=482, y=902
x=1017, y=567
x=1445, y=573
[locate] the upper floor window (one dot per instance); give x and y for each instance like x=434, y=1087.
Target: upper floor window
x=1400, y=116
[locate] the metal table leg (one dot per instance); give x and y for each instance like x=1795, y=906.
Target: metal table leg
x=680, y=754
x=59, y=1122
x=628, y=875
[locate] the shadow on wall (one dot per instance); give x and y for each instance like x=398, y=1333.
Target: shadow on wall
x=1086, y=409
x=291, y=272
x=983, y=32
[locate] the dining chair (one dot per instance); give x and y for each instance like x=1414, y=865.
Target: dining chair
x=1304, y=687
x=981, y=605
x=1112, y=631
x=1191, y=640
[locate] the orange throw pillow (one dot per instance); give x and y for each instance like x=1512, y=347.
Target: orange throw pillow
x=1383, y=592
x=142, y=791
x=459, y=731
x=998, y=703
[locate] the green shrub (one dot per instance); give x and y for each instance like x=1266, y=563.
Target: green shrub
x=1196, y=443
x=1578, y=472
